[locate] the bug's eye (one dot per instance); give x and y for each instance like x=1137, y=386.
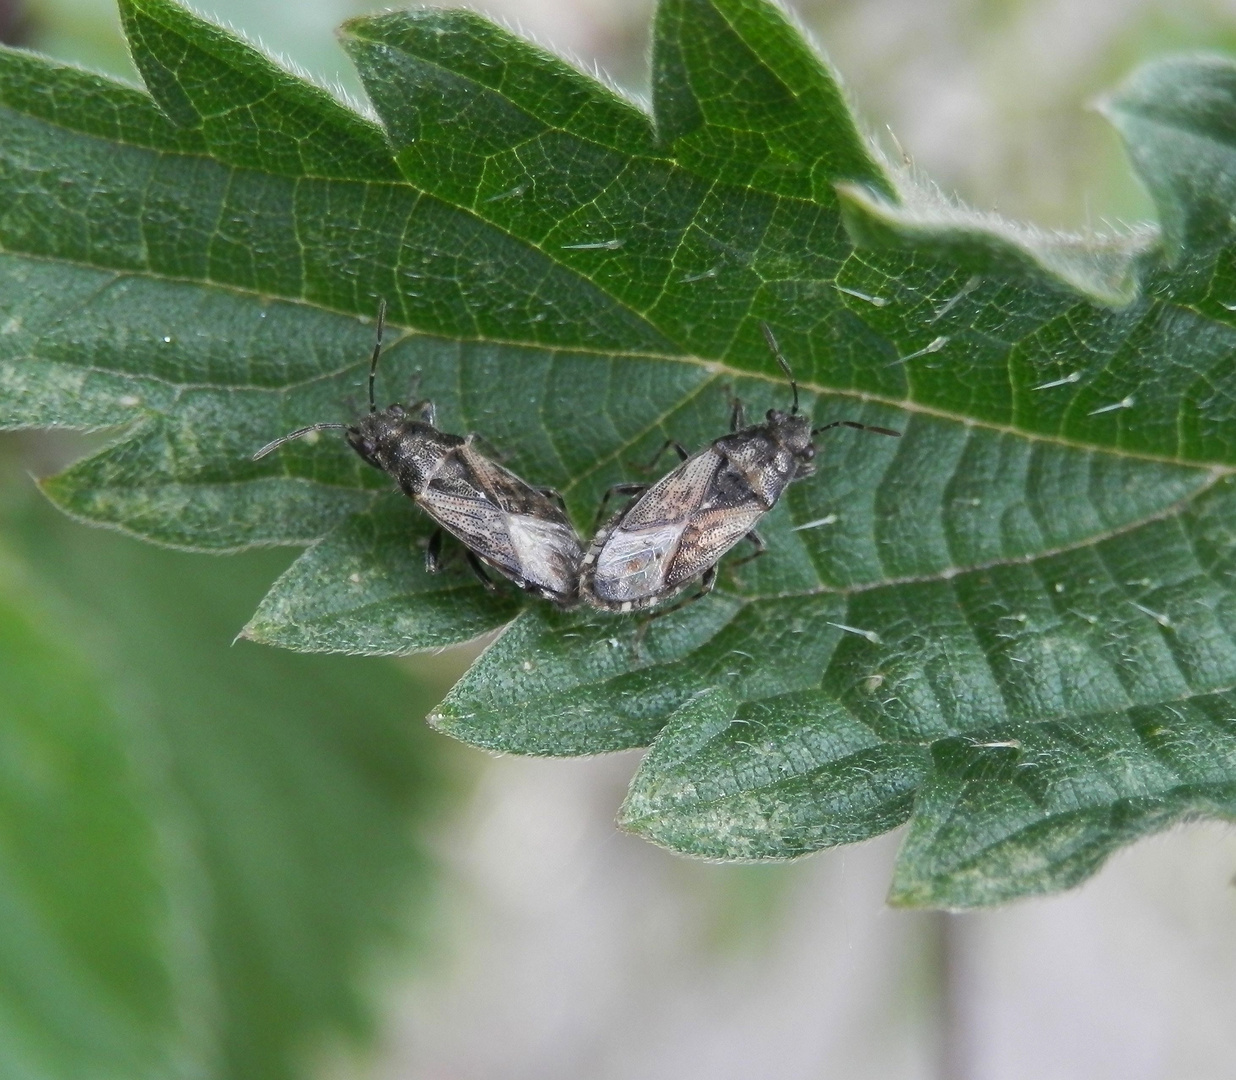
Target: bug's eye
x=771, y=415
x=808, y=452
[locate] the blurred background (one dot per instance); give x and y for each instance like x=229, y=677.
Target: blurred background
x=235, y=862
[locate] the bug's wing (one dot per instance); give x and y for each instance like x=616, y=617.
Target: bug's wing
x=464, y=511
x=513, y=534
x=547, y=554
x=508, y=491
x=676, y=496
x=707, y=537
x=674, y=532
x=639, y=549
x=728, y=511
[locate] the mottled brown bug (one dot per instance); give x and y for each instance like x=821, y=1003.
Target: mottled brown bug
x=676, y=530
x=519, y=530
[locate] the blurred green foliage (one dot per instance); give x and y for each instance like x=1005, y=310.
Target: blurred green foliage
x=206, y=850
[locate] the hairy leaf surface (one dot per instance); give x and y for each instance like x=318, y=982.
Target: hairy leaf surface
x=1013, y=627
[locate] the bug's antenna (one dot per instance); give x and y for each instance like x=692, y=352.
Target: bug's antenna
x=857, y=427
x=785, y=366
x=377, y=351
x=271, y=447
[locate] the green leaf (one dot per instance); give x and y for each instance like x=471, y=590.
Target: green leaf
x=1047, y=549
x=847, y=785
x=206, y=849
x=331, y=600
x=1047, y=802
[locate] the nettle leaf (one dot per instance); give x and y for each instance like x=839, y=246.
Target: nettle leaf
x=1013, y=627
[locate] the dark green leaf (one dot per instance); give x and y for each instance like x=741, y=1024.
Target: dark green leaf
x=576, y=279
x=824, y=780
x=332, y=601
x=1036, y=807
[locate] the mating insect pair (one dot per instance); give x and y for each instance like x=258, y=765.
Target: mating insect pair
x=672, y=533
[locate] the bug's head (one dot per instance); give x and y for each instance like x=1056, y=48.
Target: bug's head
x=370, y=434
x=379, y=435
x=376, y=434
x=792, y=432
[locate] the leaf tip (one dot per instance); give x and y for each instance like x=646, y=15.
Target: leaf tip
x=249, y=632
x=53, y=488
x=354, y=29
x=908, y=897
x=632, y=820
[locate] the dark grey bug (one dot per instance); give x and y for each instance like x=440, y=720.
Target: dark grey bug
x=677, y=529
x=519, y=530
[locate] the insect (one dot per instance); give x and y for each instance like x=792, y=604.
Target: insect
x=676, y=530
x=519, y=530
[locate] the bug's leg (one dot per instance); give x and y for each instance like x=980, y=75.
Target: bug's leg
x=425, y=411
x=679, y=449
x=554, y=495
x=433, y=553
x=707, y=584
x=759, y=546
x=478, y=568
x=617, y=489
x=738, y=416
x=637, y=639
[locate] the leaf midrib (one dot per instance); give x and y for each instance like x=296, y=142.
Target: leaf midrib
x=715, y=366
